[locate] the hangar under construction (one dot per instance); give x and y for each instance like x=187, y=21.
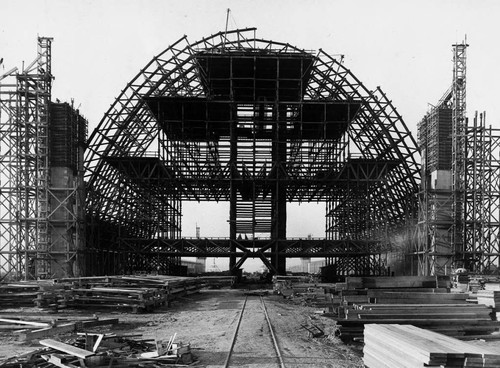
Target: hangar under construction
x=258, y=124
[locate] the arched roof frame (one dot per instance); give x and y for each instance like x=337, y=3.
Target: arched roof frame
x=129, y=129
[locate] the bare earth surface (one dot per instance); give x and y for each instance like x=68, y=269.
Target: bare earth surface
x=208, y=320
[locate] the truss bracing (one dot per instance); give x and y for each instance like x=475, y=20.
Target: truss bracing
x=258, y=124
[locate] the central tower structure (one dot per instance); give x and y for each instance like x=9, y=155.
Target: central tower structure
x=264, y=142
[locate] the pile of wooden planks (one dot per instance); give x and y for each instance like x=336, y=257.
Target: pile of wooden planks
x=29, y=329
x=137, y=293
x=20, y=294
x=388, y=282
x=395, y=346
x=382, y=296
x=490, y=296
x=458, y=320
x=410, y=301
x=138, y=299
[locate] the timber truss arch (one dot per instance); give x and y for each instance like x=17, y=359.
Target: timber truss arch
x=259, y=124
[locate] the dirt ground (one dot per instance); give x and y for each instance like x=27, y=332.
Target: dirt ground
x=207, y=320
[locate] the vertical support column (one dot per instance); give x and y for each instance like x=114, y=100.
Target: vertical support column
x=33, y=91
x=233, y=195
x=459, y=125
x=278, y=227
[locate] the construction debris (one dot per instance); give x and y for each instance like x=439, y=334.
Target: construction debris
x=104, y=350
x=30, y=329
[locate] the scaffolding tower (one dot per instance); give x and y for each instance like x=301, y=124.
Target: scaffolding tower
x=459, y=197
x=41, y=214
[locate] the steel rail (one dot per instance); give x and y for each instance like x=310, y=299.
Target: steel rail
x=226, y=364
x=275, y=341
x=271, y=330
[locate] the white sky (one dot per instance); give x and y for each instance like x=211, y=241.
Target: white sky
x=402, y=46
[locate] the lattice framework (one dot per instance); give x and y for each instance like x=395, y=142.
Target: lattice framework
x=377, y=151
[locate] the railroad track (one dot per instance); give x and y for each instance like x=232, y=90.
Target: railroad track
x=279, y=357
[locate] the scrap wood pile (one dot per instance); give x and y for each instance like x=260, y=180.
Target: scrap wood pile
x=104, y=350
x=29, y=329
x=305, y=288
x=285, y=285
x=410, y=300
x=137, y=293
x=392, y=345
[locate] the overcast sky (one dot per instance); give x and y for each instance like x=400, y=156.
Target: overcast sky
x=402, y=46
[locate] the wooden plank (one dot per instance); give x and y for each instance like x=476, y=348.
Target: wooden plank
x=57, y=360
x=68, y=349
x=393, y=344
x=20, y=322
x=420, y=316
x=45, y=332
x=417, y=306
x=97, y=322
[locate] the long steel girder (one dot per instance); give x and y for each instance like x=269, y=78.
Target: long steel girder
x=213, y=247
x=198, y=170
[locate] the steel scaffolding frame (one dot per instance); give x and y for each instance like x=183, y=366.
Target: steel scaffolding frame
x=458, y=147
x=41, y=158
x=481, y=198
x=458, y=221
x=256, y=123
x=26, y=237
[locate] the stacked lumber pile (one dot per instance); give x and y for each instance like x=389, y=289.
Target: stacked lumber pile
x=29, y=329
x=392, y=345
x=137, y=299
x=420, y=301
x=360, y=290
x=381, y=296
x=137, y=293
x=304, y=289
x=286, y=285
x=490, y=296
x=21, y=294
x=388, y=282
x=104, y=350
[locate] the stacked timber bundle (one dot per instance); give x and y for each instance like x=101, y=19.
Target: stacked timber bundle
x=286, y=285
x=27, y=329
x=387, y=282
x=218, y=281
x=53, y=295
x=305, y=288
x=490, y=296
x=421, y=301
x=138, y=293
x=20, y=294
x=457, y=320
x=139, y=299
x=415, y=297
x=362, y=290
x=394, y=346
